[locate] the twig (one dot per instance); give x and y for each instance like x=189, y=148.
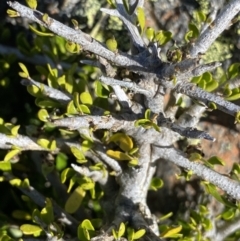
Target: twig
x=48, y=91
x=222, y=22
x=128, y=84
x=97, y=176
x=110, y=162
x=228, y=228
x=95, y=122
x=74, y=36
x=23, y=142
x=206, y=97
x=187, y=131
x=229, y=186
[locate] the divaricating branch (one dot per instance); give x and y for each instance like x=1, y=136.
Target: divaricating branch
x=76, y=36
x=222, y=22
x=231, y=187
x=197, y=93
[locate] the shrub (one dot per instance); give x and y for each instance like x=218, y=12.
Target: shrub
x=104, y=126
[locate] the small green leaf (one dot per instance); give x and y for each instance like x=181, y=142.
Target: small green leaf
x=24, y=69
x=5, y=166
x=171, y=233
x=228, y=215
x=145, y=123
x=86, y=98
x=66, y=174
x=71, y=109
x=32, y=4
x=30, y=229
x=21, y=215
x=121, y=230
x=202, y=84
x=87, y=145
x=43, y=142
x=34, y=90
x=133, y=151
x=215, y=160
x=112, y=44
x=87, y=224
x=162, y=37
x=84, y=109
x=114, y=234
x=140, y=233
x=212, y=105
x=130, y=234
x=12, y=13
x=43, y=115
x=156, y=183
x=141, y=18
x=211, y=85
x=211, y=189
x=150, y=33
x=78, y=154
x=111, y=3
x=118, y=155
x=88, y=186
x=195, y=32
x=147, y=114
x=237, y=118
x=101, y=90
x=72, y=47
x=233, y=70
x=75, y=199
x=166, y=216
x=14, y=130
x=200, y=16
x=75, y=24
x=196, y=79
x=11, y=154
x=39, y=33
x=233, y=97
x=61, y=161
x=133, y=163
x=122, y=140
x=47, y=214
x=195, y=156
x=25, y=183
x=36, y=216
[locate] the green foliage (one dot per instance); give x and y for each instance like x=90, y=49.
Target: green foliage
x=206, y=82
x=147, y=122
x=141, y=18
x=112, y=44
x=85, y=230
x=162, y=37
x=120, y=232
x=87, y=94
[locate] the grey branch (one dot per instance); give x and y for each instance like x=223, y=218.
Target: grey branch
x=222, y=22
x=229, y=186
x=23, y=142
x=96, y=122
x=108, y=161
x=188, y=132
x=227, y=229
x=75, y=36
x=206, y=97
x=48, y=91
x=97, y=176
x=125, y=83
